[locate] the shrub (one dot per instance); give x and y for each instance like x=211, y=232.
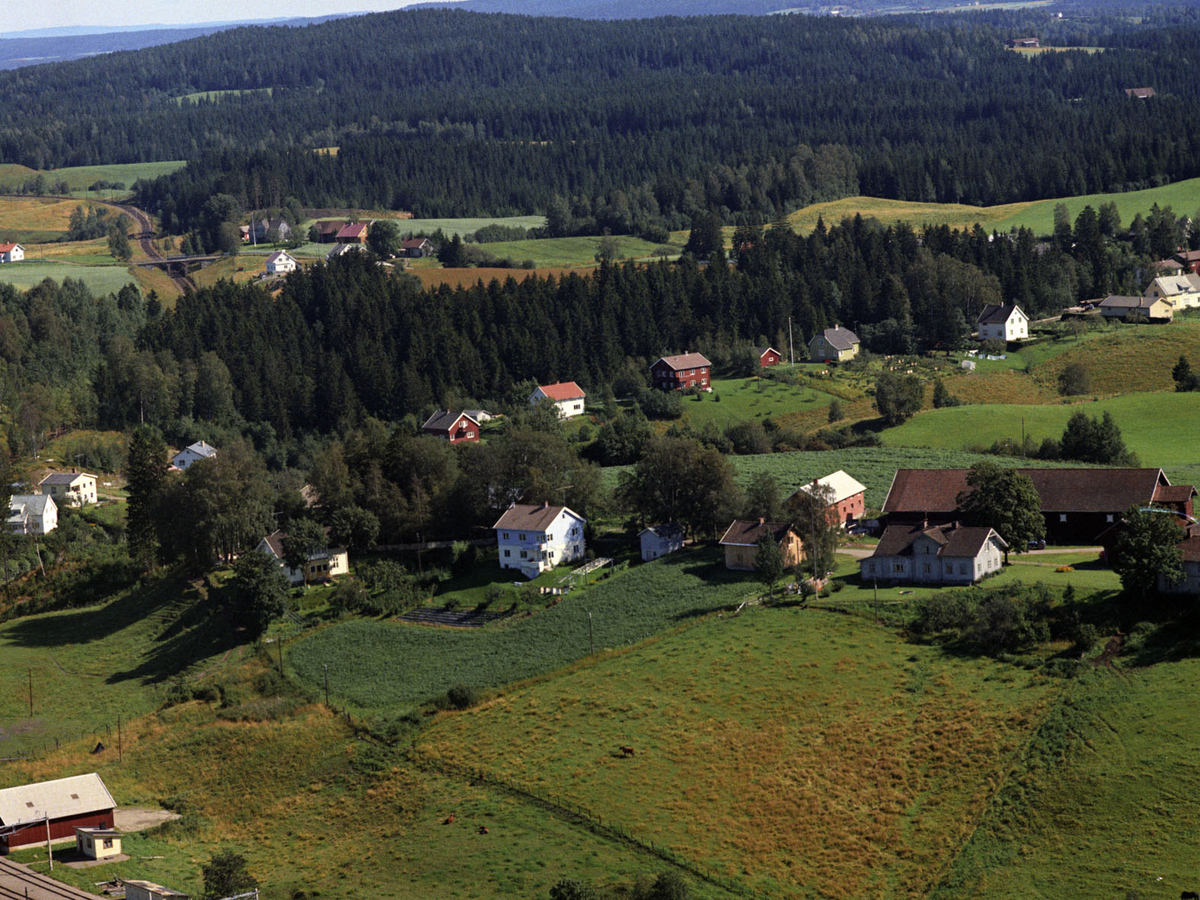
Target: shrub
x=462, y=696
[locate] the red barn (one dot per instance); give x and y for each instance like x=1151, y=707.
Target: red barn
x=81, y=800
x=353, y=233
x=453, y=427
x=674, y=373
x=768, y=356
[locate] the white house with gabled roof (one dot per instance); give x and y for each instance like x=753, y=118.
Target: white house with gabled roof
x=1002, y=323
x=193, y=453
x=69, y=488
x=32, y=514
x=536, y=538
x=567, y=397
x=281, y=263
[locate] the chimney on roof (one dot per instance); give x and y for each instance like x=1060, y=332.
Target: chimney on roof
x=836, y=326
x=545, y=504
x=762, y=521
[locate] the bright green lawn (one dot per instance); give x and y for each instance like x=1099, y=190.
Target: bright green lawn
x=569, y=251
x=1104, y=800
x=100, y=280
x=1160, y=428
x=749, y=398
x=467, y=225
x=1183, y=197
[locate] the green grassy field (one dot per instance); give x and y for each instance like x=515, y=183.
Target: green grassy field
x=750, y=398
x=78, y=178
x=570, y=251
x=212, y=96
x=633, y=605
x=121, y=655
x=1101, y=801
x=467, y=225
x=100, y=279
x=1158, y=427
x=1183, y=197
x=798, y=752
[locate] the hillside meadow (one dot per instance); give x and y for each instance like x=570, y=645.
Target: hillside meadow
x=1159, y=427
x=100, y=279
x=798, y=752
x=80, y=178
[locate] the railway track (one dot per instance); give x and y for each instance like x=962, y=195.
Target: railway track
x=145, y=239
x=17, y=882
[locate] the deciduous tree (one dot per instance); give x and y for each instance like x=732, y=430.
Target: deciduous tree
x=1006, y=500
x=1147, y=547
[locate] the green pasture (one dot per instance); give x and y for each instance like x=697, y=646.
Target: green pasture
x=1102, y=800
x=78, y=178
x=741, y=399
x=1182, y=196
x=466, y=225
x=384, y=665
x=100, y=279
x=570, y=251
x=119, y=655
x=799, y=752
x=1159, y=428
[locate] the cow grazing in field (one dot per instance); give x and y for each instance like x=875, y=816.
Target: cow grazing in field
x=1189, y=895
x=449, y=820
x=483, y=829
x=626, y=751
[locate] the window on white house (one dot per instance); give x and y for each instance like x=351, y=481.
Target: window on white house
x=507, y=553
x=524, y=555
x=1109, y=517
x=506, y=535
x=520, y=537
x=898, y=567
x=1062, y=517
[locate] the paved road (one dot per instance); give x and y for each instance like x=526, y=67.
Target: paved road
x=18, y=882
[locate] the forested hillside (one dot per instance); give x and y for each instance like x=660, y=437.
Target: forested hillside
x=447, y=113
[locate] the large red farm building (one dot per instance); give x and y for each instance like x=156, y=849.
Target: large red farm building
x=81, y=800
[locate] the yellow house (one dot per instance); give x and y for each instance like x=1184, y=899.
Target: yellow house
x=97, y=843
x=323, y=562
x=741, y=543
x=70, y=488
x=834, y=344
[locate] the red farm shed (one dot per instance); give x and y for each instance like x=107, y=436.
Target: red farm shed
x=81, y=800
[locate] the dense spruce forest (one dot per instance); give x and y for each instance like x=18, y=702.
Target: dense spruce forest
x=451, y=113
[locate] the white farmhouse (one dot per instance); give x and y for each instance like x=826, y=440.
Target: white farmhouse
x=659, y=540
x=32, y=514
x=11, y=253
x=941, y=554
x=534, y=539
x=567, y=396
x=281, y=263
x=193, y=453
x=69, y=488
x=1002, y=323
x=1181, y=291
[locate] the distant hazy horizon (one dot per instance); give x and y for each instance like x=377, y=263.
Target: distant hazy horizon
x=107, y=14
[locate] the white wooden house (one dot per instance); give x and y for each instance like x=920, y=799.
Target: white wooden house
x=281, y=263
x=1002, y=323
x=193, y=453
x=11, y=253
x=32, y=514
x=941, y=554
x=535, y=539
x=567, y=396
x=659, y=540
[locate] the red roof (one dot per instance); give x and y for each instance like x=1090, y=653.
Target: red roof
x=8, y=248
x=414, y=243
x=564, y=390
x=353, y=231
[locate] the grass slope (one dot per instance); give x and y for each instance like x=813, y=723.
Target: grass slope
x=1102, y=800
x=79, y=178
x=120, y=655
x=1158, y=427
x=751, y=398
x=99, y=279
x=1182, y=196
x=381, y=665
x=570, y=251
x=799, y=752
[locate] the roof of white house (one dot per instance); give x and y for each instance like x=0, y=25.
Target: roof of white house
x=532, y=517
x=562, y=390
x=278, y=255
x=838, y=338
x=843, y=486
x=67, y=478
x=8, y=248
x=667, y=531
x=28, y=505
x=1170, y=285
x=202, y=448
x=274, y=542
x=77, y=795
x=995, y=314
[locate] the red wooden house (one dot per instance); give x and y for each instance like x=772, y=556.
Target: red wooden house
x=81, y=800
x=353, y=233
x=454, y=427
x=768, y=356
x=674, y=373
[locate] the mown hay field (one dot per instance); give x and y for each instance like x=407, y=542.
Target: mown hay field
x=798, y=752
x=1159, y=428
x=24, y=216
x=1137, y=357
x=572, y=251
x=100, y=280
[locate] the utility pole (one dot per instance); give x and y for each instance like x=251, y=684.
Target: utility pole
x=120, y=754
x=591, y=641
x=49, y=851
x=791, y=345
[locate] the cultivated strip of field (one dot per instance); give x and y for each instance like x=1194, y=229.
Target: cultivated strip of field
x=100, y=279
x=798, y=752
x=28, y=220
x=386, y=665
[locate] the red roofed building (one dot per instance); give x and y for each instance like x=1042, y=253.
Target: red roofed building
x=416, y=247
x=674, y=373
x=11, y=253
x=451, y=426
x=1078, y=504
x=353, y=233
x=767, y=356
x=81, y=800
x=567, y=396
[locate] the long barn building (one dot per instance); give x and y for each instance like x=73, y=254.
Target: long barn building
x=1078, y=504
x=81, y=800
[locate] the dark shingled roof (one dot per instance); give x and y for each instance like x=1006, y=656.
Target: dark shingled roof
x=1174, y=493
x=1061, y=490
x=443, y=420
x=668, y=531
x=750, y=531
x=840, y=338
x=685, y=361
x=995, y=315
